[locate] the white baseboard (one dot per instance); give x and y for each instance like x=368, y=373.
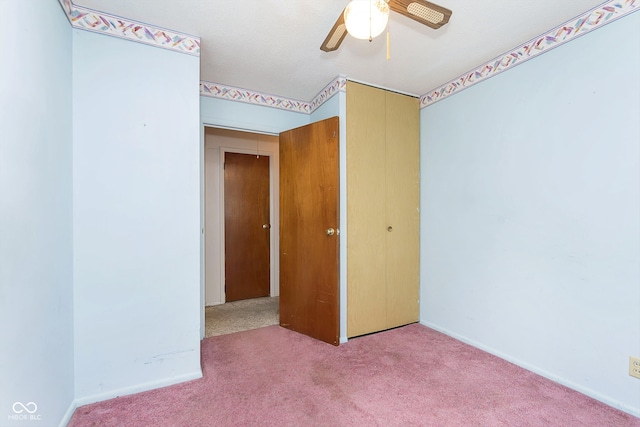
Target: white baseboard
x=67, y=415
x=139, y=388
x=586, y=391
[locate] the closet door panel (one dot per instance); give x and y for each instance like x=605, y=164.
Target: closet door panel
x=366, y=279
x=402, y=209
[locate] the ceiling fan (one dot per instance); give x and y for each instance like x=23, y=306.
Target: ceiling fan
x=422, y=11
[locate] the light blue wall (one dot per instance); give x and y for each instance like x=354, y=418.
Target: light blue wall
x=136, y=216
x=36, y=296
x=250, y=117
x=530, y=213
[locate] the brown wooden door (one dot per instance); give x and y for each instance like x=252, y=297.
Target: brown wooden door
x=247, y=230
x=309, y=206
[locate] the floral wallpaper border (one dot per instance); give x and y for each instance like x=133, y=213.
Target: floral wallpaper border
x=91, y=20
x=217, y=90
x=99, y=22
x=595, y=18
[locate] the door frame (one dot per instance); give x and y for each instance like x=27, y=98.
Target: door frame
x=216, y=230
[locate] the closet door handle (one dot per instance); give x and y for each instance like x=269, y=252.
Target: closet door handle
x=330, y=232
x=389, y=229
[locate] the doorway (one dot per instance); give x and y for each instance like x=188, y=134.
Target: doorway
x=310, y=202
x=222, y=145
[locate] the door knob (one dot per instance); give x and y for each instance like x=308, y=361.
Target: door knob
x=330, y=232
x=389, y=229
x=266, y=226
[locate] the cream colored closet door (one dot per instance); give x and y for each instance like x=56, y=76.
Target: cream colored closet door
x=382, y=209
x=366, y=183
x=402, y=209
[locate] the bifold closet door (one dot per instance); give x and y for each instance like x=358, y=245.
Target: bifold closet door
x=402, y=209
x=382, y=209
x=366, y=281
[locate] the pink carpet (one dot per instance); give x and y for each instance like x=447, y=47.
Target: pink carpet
x=410, y=376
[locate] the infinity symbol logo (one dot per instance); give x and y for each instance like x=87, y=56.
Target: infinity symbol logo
x=20, y=407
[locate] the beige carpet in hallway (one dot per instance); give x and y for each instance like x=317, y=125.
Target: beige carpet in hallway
x=241, y=315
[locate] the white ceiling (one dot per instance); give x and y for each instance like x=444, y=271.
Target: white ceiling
x=273, y=46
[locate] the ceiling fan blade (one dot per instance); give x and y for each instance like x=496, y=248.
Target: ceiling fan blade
x=424, y=12
x=335, y=36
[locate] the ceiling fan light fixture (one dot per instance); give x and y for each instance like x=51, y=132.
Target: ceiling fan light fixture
x=366, y=19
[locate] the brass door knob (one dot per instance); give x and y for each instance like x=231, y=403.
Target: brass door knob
x=330, y=232
x=389, y=229
x=266, y=226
